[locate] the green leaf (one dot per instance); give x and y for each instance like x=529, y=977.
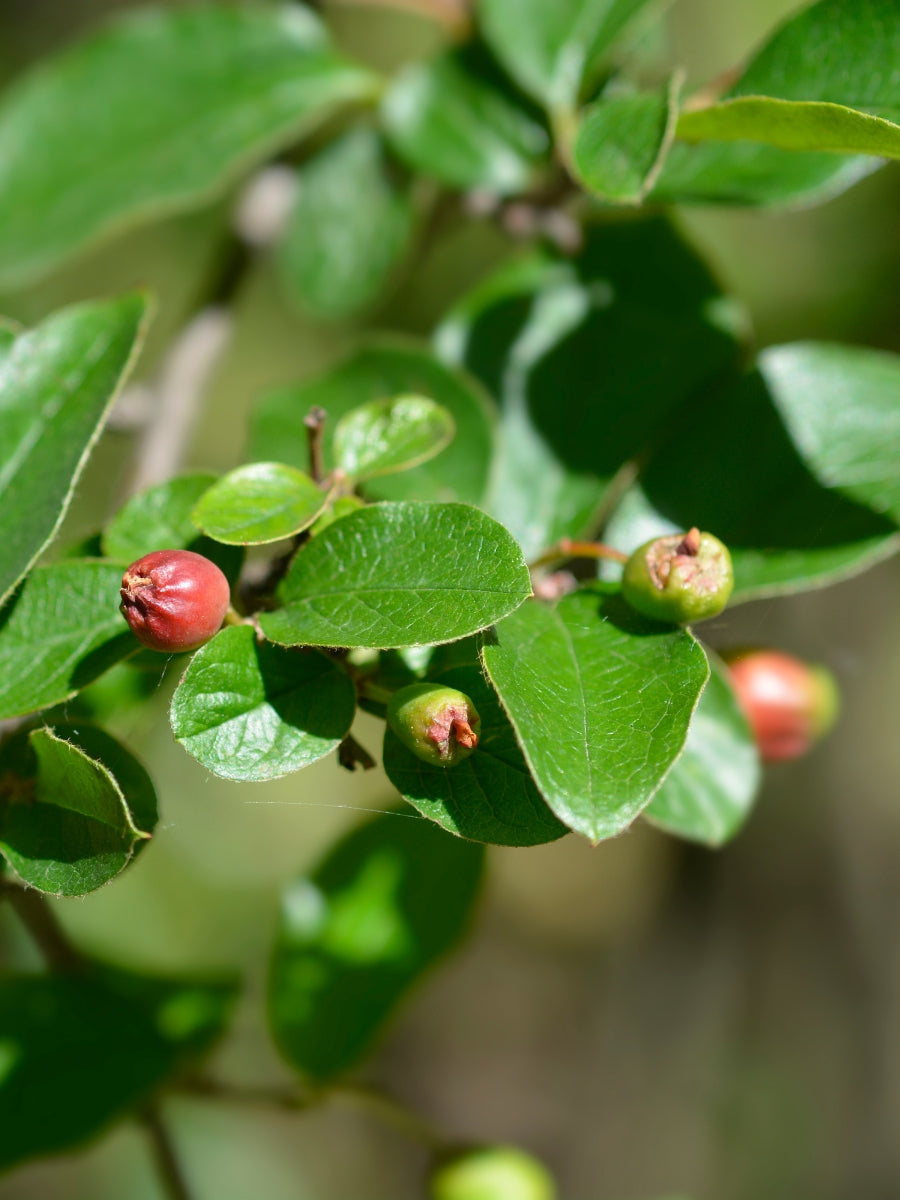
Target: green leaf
x=259, y=503
x=563, y=344
x=792, y=125
x=59, y=633
x=350, y=226
x=385, y=436
x=748, y=485
x=160, y=519
x=250, y=711
x=600, y=701
x=622, y=142
x=381, y=370
x=396, y=575
x=489, y=796
x=157, y=113
x=552, y=50
x=708, y=794
x=57, y=384
x=81, y=1051
x=446, y=119
x=836, y=52
x=390, y=899
x=65, y=825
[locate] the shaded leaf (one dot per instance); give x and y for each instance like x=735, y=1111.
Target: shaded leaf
x=381, y=370
x=154, y=114
x=259, y=503
x=252, y=711
x=390, y=899
x=395, y=575
x=350, y=226
x=600, y=701
x=385, y=436
x=57, y=384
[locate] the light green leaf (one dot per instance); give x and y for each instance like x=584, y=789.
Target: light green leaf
x=81, y=1051
x=259, y=503
x=489, y=796
x=708, y=794
x=622, y=142
x=59, y=633
x=380, y=370
x=65, y=825
x=250, y=711
x=600, y=701
x=396, y=575
x=57, y=384
x=154, y=114
x=553, y=50
x=385, y=436
x=350, y=226
x=792, y=125
x=389, y=900
x=446, y=119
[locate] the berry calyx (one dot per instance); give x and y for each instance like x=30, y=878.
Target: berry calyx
x=680, y=578
x=492, y=1173
x=174, y=600
x=438, y=724
x=789, y=703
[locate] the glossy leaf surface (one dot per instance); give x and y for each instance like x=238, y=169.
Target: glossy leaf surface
x=385, y=436
x=258, y=503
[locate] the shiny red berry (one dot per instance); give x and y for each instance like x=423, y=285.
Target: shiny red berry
x=174, y=600
x=790, y=704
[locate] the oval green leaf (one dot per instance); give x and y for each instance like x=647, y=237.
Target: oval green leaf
x=250, y=711
x=57, y=385
x=389, y=900
x=158, y=112
x=385, y=436
x=259, y=503
x=395, y=575
x=600, y=700
x=708, y=794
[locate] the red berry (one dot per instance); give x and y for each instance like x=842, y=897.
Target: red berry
x=174, y=600
x=790, y=704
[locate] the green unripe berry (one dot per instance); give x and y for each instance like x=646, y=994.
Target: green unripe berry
x=492, y=1173
x=682, y=577
x=438, y=724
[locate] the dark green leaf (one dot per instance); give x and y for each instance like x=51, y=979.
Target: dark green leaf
x=160, y=519
x=552, y=49
x=65, y=825
x=489, y=796
x=155, y=114
x=707, y=795
x=350, y=226
x=82, y=1051
x=258, y=503
x=57, y=384
x=564, y=346
x=385, y=436
x=600, y=701
x=445, y=119
x=622, y=142
x=252, y=711
x=379, y=371
x=400, y=575
x=59, y=633
x=390, y=899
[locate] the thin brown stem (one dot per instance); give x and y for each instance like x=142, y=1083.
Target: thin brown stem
x=566, y=548
x=41, y=922
x=167, y=1163
x=315, y=426
x=393, y=1113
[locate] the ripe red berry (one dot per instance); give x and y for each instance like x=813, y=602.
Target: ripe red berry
x=790, y=704
x=174, y=600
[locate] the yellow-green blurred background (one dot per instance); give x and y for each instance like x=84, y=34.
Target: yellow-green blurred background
x=649, y=1018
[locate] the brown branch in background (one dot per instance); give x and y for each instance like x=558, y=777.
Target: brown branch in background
x=167, y=1163
x=38, y=917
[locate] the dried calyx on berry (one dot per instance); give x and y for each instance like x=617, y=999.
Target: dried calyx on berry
x=174, y=600
x=789, y=703
x=681, y=577
x=438, y=724
x=491, y=1173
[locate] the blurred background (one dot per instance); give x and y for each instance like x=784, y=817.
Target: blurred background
x=650, y=1018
